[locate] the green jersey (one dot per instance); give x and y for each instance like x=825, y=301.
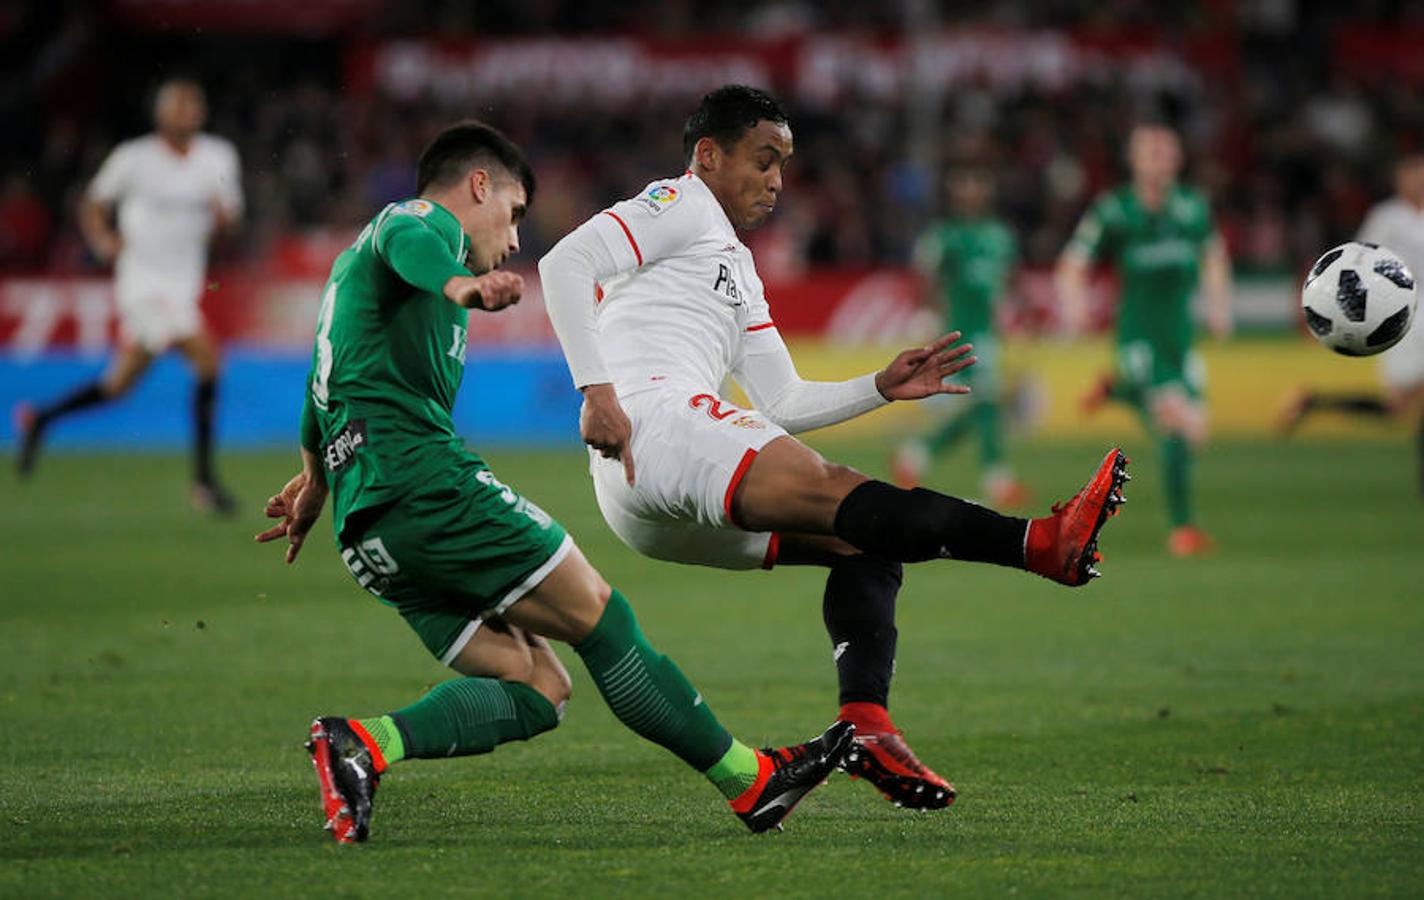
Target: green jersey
x=971, y=260
x=1157, y=256
x=389, y=357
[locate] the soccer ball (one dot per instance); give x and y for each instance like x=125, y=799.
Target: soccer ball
x=1358, y=299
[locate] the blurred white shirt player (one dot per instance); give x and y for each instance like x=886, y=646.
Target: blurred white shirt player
x=152, y=210
x=1397, y=224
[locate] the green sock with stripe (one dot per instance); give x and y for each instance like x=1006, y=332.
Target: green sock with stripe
x=649, y=694
x=462, y=717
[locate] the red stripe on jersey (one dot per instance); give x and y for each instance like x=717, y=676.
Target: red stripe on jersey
x=624, y=225
x=597, y=293
x=737, y=477
x=762, y=326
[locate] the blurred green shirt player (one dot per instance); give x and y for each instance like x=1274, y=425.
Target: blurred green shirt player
x=967, y=260
x=1159, y=237
x=481, y=575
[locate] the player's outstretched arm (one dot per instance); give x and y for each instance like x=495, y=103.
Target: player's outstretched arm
x=921, y=371
x=770, y=379
x=298, y=505
x=490, y=292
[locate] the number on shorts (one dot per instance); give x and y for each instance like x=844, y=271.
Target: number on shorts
x=370, y=564
x=714, y=406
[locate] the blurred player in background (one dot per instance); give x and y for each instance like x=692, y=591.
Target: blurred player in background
x=170, y=192
x=481, y=575
x=1159, y=236
x=656, y=302
x=1396, y=223
x=969, y=258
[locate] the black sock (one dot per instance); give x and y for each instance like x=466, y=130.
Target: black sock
x=1358, y=404
x=859, y=609
x=913, y=526
x=204, y=396
x=91, y=394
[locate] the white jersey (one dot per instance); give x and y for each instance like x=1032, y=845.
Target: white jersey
x=680, y=301
x=687, y=295
x=1399, y=226
x=166, y=204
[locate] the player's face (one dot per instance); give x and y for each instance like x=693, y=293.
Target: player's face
x=1409, y=180
x=970, y=195
x=494, y=231
x=180, y=110
x=1155, y=154
x=747, y=180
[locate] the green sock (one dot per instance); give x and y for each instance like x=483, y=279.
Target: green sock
x=472, y=715
x=986, y=419
x=387, y=736
x=1176, y=466
x=647, y=691
x=736, y=771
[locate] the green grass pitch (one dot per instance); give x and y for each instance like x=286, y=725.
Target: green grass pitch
x=1252, y=724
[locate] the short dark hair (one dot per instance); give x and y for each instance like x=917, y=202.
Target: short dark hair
x=468, y=145
x=726, y=113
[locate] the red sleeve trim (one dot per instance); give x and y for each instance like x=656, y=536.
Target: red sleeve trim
x=762, y=326
x=624, y=225
x=773, y=550
x=737, y=477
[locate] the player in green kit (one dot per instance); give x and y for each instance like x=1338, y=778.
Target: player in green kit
x=969, y=258
x=1159, y=236
x=482, y=575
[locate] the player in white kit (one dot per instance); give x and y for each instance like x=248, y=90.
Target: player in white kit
x=1396, y=223
x=170, y=191
x=656, y=302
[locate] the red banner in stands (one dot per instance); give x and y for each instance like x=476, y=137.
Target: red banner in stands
x=847, y=306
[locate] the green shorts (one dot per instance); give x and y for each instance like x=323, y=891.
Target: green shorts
x=454, y=553
x=1148, y=369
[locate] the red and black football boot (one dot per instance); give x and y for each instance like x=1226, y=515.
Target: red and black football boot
x=887, y=762
x=1063, y=546
x=349, y=774
x=789, y=774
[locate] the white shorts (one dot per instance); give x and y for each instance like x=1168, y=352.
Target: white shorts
x=1402, y=366
x=690, y=451
x=156, y=312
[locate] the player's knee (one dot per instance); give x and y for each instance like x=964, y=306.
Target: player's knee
x=551, y=680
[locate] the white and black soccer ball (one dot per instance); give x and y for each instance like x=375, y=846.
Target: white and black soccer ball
x=1358, y=299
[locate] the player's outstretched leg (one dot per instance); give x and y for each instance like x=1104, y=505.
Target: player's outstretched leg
x=919, y=525
x=650, y=695
x=31, y=423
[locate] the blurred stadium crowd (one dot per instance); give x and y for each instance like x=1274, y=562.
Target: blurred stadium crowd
x=1291, y=113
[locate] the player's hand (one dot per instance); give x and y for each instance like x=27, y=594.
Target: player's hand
x=605, y=427
x=491, y=291
x=298, y=505
x=921, y=371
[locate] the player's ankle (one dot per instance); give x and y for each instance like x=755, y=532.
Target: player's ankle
x=1040, y=540
x=868, y=718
